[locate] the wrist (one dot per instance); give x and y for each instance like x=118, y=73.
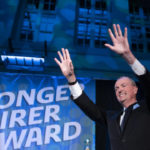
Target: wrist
x=129, y=57
x=71, y=78
x=72, y=83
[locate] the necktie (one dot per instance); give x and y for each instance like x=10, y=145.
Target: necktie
x=125, y=118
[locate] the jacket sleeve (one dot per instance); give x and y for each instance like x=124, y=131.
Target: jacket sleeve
x=90, y=109
x=145, y=84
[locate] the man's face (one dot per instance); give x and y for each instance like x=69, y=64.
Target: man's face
x=125, y=91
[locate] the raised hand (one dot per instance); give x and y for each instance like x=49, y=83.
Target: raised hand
x=120, y=43
x=66, y=65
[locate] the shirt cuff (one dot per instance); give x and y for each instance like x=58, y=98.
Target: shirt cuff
x=75, y=90
x=138, y=68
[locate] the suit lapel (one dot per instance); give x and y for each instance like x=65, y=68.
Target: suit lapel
x=117, y=125
x=129, y=126
x=117, y=122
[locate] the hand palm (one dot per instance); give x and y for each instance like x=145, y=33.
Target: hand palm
x=66, y=67
x=65, y=63
x=120, y=45
x=120, y=42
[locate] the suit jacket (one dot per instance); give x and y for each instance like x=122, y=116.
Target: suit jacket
x=136, y=134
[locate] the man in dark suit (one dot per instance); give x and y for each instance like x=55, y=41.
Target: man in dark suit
x=129, y=130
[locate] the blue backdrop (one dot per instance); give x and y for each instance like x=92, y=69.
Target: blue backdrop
x=36, y=113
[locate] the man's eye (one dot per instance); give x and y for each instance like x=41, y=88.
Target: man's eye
x=123, y=85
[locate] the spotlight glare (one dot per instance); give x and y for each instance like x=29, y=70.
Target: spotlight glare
x=22, y=62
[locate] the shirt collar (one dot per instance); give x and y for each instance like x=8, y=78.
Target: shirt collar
x=134, y=106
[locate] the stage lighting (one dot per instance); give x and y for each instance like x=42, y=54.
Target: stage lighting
x=23, y=62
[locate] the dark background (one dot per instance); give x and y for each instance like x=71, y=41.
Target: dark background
x=105, y=98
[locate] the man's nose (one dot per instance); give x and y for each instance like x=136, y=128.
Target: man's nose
x=119, y=90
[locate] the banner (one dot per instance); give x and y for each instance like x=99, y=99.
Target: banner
x=36, y=113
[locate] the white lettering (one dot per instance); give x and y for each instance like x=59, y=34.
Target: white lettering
x=35, y=135
x=12, y=137
x=4, y=120
x=52, y=132
x=29, y=99
x=51, y=112
x=49, y=97
x=34, y=114
x=11, y=99
x=17, y=116
x=74, y=126
x=61, y=93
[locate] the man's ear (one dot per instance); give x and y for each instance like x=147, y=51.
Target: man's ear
x=135, y=89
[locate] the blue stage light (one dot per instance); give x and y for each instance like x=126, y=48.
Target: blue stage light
x=23, y=62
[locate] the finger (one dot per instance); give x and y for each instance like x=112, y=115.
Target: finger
x=60, y=56
x=119, y=30
x=115, y=30
x=109, y=46
x=67, y=54
x=64, y=54
x=111, y=35
x=125, y=32
x=57, y=61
